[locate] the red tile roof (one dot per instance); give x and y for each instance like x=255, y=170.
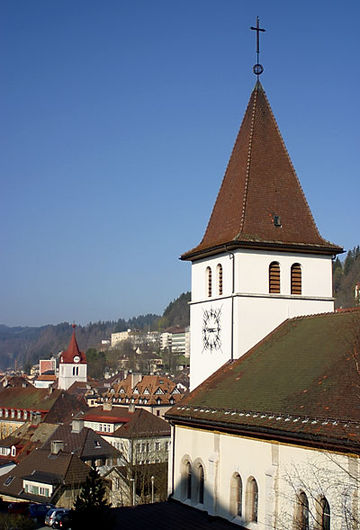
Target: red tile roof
x=143, y=424
x=260, y=184
x=115, y=415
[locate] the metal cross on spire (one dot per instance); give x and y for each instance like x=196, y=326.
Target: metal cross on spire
x=257, y=68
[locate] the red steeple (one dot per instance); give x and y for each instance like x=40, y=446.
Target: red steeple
x=260, y=203
x=73, y=354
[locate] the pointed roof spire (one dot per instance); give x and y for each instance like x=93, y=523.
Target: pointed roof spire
x=73, y=351
x=261, y=203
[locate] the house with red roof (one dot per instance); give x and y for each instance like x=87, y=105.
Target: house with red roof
x=153, y=393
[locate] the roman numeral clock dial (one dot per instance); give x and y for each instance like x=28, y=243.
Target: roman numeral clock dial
x=211, y=329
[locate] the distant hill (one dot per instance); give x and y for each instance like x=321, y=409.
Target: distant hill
x=177, y=313
x=346, y=274
x=29, y=344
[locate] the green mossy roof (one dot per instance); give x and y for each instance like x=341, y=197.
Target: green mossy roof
x=307, y=367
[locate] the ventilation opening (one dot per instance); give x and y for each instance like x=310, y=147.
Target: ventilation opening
x=277, y=220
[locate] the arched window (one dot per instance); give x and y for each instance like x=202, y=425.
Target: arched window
x=201, y=480
x=220, y=279
x=236, y=495
x=296, y=278
x=323, y=514
x=302, y=512
x=186, y=480
x=209, y=281
x=252, y=500
x=274, y=277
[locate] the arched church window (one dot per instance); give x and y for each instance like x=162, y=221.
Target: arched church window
x=201, y=480
x=236, y=495
x=252, y=500
x=220, y=279
x=323, y=514
x=187, y=480
x=209, y=281
x=296, y=278
x=302, y=512
x=274, y=277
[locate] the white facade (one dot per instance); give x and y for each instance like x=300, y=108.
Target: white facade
x=281, y=471
x=225, y=326
x=70, y=373
x=146, y=450
x=119, y=337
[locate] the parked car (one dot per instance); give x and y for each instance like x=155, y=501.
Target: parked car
x=21, y=508
x=63, y=520
x=51, y=514
x=39, y=511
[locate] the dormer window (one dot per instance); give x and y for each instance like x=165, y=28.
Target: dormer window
x=277, y=220
x=136, y=391
x=146, y=391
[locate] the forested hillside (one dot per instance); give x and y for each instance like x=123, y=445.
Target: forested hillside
x=346, y=274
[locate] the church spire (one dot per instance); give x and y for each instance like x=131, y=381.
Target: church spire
x=260, y=203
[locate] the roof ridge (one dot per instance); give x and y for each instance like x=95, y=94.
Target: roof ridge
x=291, y=163
x=248, y=163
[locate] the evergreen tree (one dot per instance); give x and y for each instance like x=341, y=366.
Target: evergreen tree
x=91, y=507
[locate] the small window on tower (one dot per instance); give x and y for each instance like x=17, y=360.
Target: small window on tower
x=220, y=279
x=209, y=281
x=274, y=277
x=296, y=278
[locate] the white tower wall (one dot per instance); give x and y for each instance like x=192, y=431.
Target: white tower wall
x=246, y=312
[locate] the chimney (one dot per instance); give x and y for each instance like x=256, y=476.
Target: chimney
x=36, y=418
x=131, y=407
x=135, y=379
x=57, y=446
x=77, y=425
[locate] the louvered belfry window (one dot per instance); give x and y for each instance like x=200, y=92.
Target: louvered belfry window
x=220, y=279
x=296, y=278
x=274, y=277
x=209, y=281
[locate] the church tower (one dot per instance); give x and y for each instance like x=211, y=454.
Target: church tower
x=72, y=365
x=262, y=259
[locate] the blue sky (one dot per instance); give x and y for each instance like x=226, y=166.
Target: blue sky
x=118, y=118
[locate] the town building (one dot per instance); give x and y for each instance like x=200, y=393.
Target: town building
x=19, y=405
x=45, y=476
x=176, y=340
x=144, y=439
x=154, y=393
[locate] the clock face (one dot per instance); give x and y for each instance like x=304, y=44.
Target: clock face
x=76, y=359
x=211, y=329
